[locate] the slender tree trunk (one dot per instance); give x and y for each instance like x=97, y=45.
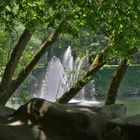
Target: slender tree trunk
x=115, y=82
x=14, y=59
x=26, y=71
x=96, y=65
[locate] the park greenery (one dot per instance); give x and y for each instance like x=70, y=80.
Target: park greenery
x=103, y=30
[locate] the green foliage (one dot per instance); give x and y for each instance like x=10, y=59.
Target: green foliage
x=24, y=98
x=4, y=49
x=121, y=23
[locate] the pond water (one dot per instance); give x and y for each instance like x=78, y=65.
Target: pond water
x=132, y=104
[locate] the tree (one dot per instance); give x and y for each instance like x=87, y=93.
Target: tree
x=15, y=56
x=19, y=48
x=121, y=23
x=115, y=82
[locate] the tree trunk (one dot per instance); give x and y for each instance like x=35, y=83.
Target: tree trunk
x=12, y=63
x=115, y=83
x=26, y=71
x=14, y=59
x=96, y=65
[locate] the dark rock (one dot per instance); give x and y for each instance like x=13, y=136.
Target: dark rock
x=70, y=122
x=5, y=112
x=21, y=132
x=127, y=128
x=64, y=122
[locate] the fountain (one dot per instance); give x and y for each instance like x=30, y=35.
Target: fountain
x=61, y=76
x=68, y=65
x=55, y=81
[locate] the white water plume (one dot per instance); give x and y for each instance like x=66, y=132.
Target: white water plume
x=60, y=77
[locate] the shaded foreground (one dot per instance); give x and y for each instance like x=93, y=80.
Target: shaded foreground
x=42, y=120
